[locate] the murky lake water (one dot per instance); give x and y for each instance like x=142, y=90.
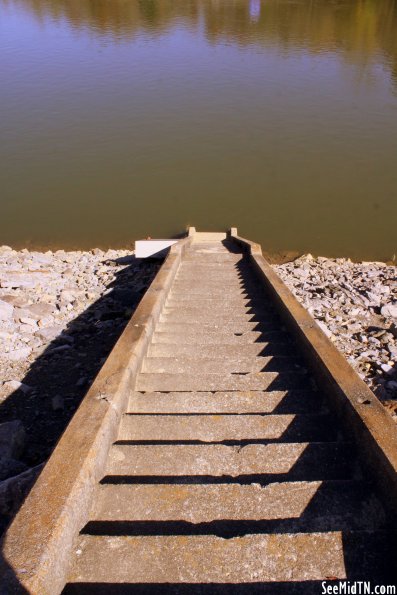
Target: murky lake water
x=121, y=119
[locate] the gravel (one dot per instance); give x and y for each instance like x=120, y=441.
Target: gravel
x=61, y=314
x=355, y=304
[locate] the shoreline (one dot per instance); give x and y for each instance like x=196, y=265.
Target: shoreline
x=276, y=257
x=61, y=313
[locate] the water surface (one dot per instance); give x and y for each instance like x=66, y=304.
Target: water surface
x=122, y=119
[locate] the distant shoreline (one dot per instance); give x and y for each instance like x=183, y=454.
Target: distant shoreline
x=277, y=256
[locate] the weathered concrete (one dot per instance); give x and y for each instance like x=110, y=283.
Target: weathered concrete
x=188, y=365
x=217, y=428
x=215, y=382
x=300, y=506
x=207, y=559
x=228, y=338
x=295, y=401
x=275, y=345
x=220, y=322
x=218, y=325
x=301, y=460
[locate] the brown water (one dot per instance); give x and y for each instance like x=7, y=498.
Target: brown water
x=121, y=119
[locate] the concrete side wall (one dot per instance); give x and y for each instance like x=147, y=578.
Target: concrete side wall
x=37, y=545
x=360, y=412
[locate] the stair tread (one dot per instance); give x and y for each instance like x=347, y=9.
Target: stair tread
x=197, y=381
x=299, y=506
x=206, y=338
x=218, y=428
x=209, y=559
x=225, y=402
x=183, y=365
x=222, y=351
x=252, y=462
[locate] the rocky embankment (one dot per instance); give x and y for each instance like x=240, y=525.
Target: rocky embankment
x=355, y=304
x=60, y=315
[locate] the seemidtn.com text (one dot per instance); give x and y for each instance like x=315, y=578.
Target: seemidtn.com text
x=356, y=588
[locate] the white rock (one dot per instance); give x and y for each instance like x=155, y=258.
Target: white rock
x=28, y=321
x=49, y=333
x=389, y=310
x=40, y=310
x=6, y=310
x=46, y=321
x=19, y=354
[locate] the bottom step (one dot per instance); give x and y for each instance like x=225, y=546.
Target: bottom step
x=109, y=561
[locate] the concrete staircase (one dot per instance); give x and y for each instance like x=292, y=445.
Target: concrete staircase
x=229, y=474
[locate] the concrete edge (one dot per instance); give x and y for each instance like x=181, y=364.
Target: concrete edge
x=358, y=409
x=36, y=547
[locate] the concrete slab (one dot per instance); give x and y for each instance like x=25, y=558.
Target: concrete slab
x=153, y=248
x=281, y=346
x=210, y=462
x=223, y=317
x=205, y=338
x=208, y=559
x=225, y=402
x=220, y=428
x=216, y=324
x=185, y=365
x=216, y=382
x=282, y=507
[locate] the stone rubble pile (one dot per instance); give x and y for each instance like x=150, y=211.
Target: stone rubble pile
x=355, y=304
x=57, y=309
x=41, y=292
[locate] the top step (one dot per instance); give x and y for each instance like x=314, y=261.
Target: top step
x=203, y=237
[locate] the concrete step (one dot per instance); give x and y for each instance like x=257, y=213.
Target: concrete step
x=198, y=291
x=197, y=268
x=226, y=402
x=221, y=428
x=197, y=313
x=224, y=316
x=207, y=338
x=185, y=365
x=216, y=279
x=219, y=299
x=219, y=302
x=221, y=382
x=204, y=258
x=204, y=237
x=220, y=463
x=206, y=559
x=225, y=325
x=224, y=310
x=281, y=346
x=213, y=285
x=221, y=272
x=231, y=509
